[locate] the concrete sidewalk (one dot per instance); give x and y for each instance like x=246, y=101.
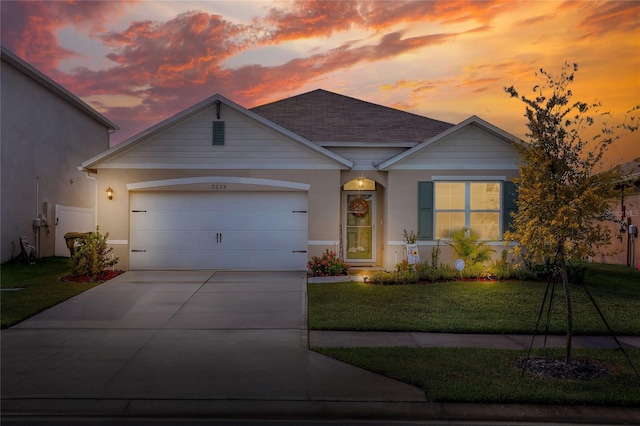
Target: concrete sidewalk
x=319, y=338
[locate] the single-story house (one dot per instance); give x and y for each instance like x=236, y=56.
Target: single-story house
x=220, y=186
x=46, y=132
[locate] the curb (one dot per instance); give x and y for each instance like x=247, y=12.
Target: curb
x=19, y=410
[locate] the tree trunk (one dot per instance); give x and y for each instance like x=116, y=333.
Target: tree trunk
x=567, y=296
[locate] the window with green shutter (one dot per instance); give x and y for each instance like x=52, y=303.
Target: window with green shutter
x=444, y=207
x=425, y=210
x=510, y=197
x=218, y=132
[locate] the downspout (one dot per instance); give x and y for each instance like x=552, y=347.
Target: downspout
x=36, y=220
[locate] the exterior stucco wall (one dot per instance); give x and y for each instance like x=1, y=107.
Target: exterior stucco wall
x=623, y=250
x=402, y=212
x=43, y=136
x=323, y=201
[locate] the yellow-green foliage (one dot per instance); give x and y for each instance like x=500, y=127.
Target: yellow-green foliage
x=467, y=244
x=563, y=190
x=92, y=257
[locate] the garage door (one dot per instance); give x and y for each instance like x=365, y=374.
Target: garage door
x=203, y=230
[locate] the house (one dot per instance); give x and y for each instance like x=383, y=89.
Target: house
x=46, y=132
x=220, y=186
x=624, y=228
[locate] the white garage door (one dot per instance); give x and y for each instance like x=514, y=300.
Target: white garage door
x=202, y=230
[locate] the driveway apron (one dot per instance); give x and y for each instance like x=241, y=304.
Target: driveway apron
x=182, y=335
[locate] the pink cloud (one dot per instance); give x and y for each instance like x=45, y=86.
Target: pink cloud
x=321, y=18
x=29, y=28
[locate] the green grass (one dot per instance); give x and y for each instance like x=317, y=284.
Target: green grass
x=41, y=288
x=486, y=375
x=478, y=307
x=491, y=376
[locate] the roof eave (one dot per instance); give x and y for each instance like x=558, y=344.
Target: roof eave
x=471, y=120
x=206, y=103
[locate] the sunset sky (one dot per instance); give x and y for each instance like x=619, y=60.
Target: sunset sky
x=139, y=62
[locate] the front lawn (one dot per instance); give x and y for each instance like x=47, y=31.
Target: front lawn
x=487, y=375
x=29, y=289
x=479, y=306
x=490, y=376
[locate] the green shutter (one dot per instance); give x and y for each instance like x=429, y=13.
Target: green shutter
x=218, y=132
x=509, y=203
x=425, y=210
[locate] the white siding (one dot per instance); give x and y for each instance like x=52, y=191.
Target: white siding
x=470, y=148
x=248, y=145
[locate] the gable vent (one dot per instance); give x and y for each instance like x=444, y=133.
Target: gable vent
x=218, y=132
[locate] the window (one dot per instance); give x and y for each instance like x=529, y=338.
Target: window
x=218, y=133
x=445, y=207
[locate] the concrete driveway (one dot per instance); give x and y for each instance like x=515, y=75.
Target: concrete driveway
x=180, y=342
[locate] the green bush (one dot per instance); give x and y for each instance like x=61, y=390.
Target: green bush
x=327, y=265
x=467, y=244
x=393, y=278
x=448, y=273
x=92, y=257
x=475, y=270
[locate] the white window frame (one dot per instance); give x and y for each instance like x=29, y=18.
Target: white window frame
x=467, y=204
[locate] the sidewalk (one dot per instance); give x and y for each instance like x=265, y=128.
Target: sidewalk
x=318, y=338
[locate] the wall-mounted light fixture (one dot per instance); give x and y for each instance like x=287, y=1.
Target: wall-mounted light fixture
x=360, y=183
x=110, y=193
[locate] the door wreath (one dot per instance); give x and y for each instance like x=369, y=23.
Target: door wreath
x=359, y=207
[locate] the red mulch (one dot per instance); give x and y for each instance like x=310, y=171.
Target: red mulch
x=102, y=277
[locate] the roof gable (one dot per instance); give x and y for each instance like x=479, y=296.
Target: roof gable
x=472, y=144
x=324, y=117
x=184, y=141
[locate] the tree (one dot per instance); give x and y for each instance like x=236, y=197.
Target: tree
x=563, y=187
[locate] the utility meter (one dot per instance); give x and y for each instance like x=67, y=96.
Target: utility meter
x=633, y=230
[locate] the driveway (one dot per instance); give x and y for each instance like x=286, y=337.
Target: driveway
x=151, y=342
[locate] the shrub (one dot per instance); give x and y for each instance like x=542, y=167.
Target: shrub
x=448, y=273
x=327, y=265
x=409, y=237
x=408, y=276
x=404, y=266
x=92, y=257
x=475, y=270
x=467, y=244
x=435, y=255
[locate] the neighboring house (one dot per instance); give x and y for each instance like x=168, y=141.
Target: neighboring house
x=623, y=249
x=219, y=186
x=46, y=133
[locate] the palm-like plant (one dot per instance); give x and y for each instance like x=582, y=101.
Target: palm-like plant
x=467, y=244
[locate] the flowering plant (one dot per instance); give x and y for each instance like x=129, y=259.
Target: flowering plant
x=327, y=265
x=359, y=207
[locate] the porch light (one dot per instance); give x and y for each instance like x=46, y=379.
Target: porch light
x=360, y=183
x=110, y=193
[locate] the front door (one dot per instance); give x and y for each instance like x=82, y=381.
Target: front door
x=359, y=226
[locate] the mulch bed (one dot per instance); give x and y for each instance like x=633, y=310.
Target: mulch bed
x=102, y=277
x=559, y=369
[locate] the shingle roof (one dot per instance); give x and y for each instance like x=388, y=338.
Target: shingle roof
x=321, y=116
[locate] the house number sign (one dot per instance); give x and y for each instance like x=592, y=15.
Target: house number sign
x=219, y=187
